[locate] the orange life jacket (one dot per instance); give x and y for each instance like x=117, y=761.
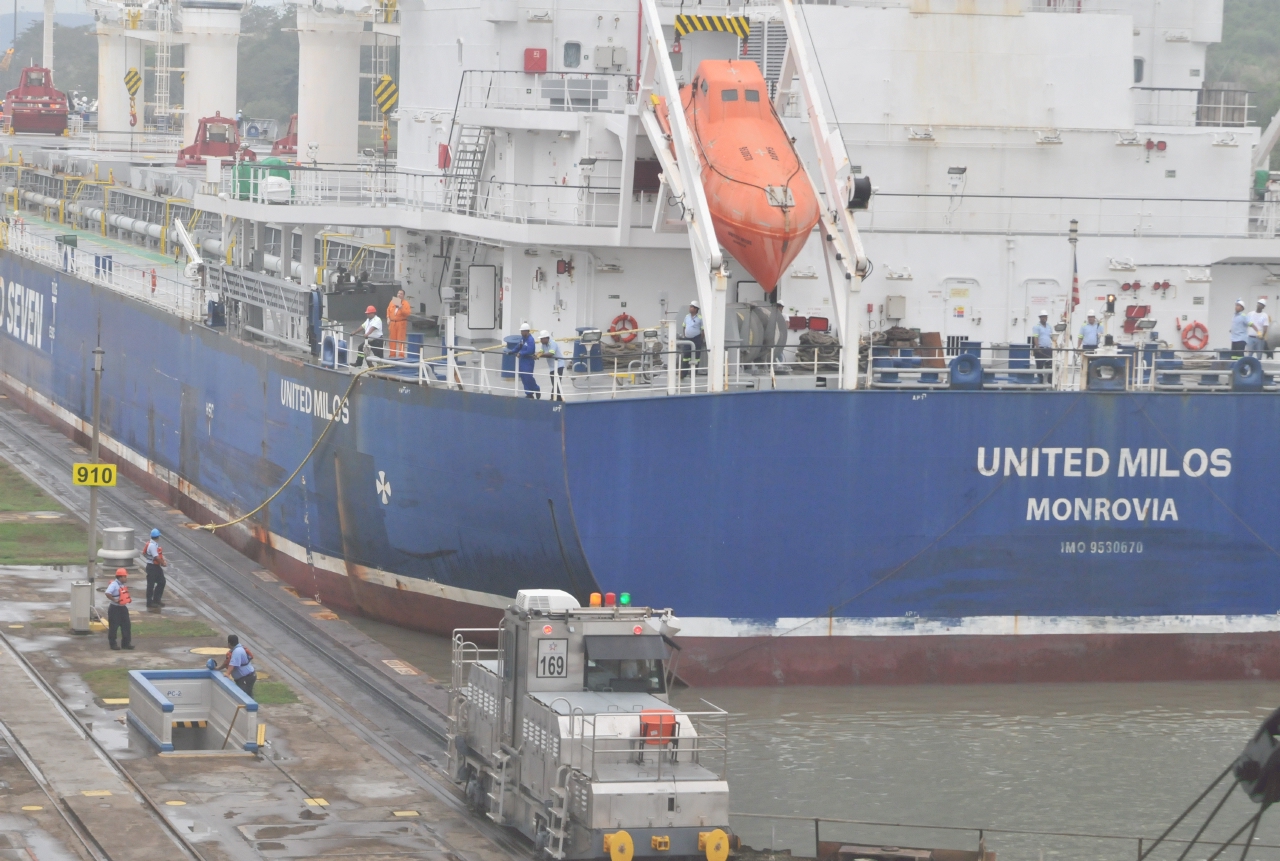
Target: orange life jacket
x=124, y=595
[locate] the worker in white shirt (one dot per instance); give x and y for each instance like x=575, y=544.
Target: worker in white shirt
x=692, y=331
x=553, y=352
x=1091, y=333
x=371, y=329
x=1259, y=323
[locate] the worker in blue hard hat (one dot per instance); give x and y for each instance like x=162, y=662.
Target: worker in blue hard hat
x=153, y=556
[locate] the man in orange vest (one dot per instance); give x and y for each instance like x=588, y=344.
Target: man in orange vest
x=398, y=326
x=118, y=612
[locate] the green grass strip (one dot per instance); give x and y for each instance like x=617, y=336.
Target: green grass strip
x=108, y=683
x=42, y=544
x=18, y=494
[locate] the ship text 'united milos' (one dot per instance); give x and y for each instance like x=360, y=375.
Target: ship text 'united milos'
x=314, y=402
x=1086, y=462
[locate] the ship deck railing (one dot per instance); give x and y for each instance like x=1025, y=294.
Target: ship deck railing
x=961, y=212
x=597, y=92
x=963, y=366
x=106, y=266
x=591, y=375
x=1136, y=367
x=595, y=204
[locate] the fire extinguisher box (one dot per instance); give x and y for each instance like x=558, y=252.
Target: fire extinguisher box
x=535, y=60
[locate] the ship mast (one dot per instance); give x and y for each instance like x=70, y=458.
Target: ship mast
x=50, y=12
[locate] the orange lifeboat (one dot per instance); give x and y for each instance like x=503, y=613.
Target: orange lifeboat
x=762, y=203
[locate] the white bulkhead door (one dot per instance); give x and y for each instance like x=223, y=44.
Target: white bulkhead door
x=1039, y=294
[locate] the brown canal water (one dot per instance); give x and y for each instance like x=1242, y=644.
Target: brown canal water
x=1119, y=760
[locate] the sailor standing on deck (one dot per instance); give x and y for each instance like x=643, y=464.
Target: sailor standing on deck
x=692, y=331
x=1259, y=323
x=154, y=556
x=1239, y=330
x=553, y=352
x=525, y=353
x=1091, y=332
x=372, y=331
x=1043, y=350
x=398, y=326
x=118, y=612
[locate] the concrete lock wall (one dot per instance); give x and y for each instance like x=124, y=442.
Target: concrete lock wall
x=160, y=698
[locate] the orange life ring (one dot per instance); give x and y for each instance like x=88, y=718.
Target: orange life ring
x=624, y=323
x=1195, y=336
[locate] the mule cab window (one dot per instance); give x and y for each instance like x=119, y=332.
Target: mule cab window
x=625, y=663
x=729, y=95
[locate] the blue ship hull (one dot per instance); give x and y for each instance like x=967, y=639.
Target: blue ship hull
x=802, y=536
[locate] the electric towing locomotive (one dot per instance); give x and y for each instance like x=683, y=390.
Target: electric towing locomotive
x=560, y=727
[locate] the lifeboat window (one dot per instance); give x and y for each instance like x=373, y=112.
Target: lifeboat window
x=752, y=95
x=729, y=95
x=572, y=55
x=704, y=87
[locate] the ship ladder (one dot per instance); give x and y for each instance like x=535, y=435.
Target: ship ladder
x=468, y=163
x=558, y=814
x=503, y=758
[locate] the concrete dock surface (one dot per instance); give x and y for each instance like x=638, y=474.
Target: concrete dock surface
x=351, y=764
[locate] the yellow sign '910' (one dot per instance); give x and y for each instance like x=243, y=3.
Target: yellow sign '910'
x=93, y=475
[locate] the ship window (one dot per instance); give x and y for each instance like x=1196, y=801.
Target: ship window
x=729, y=95
x=752, y=95
x=35, y=79
x=1139, y=69
x=572, y=54
x=625, y=664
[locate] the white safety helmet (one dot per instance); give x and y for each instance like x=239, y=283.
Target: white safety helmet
x=693, y=303
x=1092, y=313
x=1240, y=302
x=524, y=327
x=1043, y=313
x=1262, y=302
x=544, y=334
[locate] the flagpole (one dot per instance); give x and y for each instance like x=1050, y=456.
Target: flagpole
x=1073, y=236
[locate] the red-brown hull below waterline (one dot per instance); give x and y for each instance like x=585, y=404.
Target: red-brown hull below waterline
x=978, y=659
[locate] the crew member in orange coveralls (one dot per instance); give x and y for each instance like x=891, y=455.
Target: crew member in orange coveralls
x=398, y=326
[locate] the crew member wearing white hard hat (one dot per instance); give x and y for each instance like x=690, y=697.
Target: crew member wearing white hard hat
x=553, y=352
x=1042, y=332
x=1239, y=331
x=525, y=350
x=692, y=331
x=1259, y=323
x=1091, y=332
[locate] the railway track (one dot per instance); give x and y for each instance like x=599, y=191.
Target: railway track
x=416, y=714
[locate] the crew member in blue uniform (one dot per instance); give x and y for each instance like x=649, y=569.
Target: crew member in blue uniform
x=240, y=662
x=692, y=331
x=1239, y=330
x=1043, y=349
x=153, y=554
x=1091, y=332
x=118, y=612
x=553, y=352
x=526, y=352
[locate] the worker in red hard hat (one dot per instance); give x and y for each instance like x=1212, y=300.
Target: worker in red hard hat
x=118, y=612
x=371, y=329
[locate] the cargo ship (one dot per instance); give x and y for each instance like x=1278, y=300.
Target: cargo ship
x=852, y=464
